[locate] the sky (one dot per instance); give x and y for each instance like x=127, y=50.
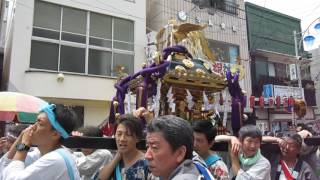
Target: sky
x=306, y=10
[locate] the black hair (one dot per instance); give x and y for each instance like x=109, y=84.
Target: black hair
x=205, y=127
x=306, y=127
x=250, y=131
x=133, y=124
x=91, y=131
x=66, y=117
x=176, y=131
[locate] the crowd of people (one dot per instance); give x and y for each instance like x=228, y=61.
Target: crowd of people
x=175, y=150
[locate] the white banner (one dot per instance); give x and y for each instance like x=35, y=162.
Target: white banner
x=288, y=91
x=293, y=72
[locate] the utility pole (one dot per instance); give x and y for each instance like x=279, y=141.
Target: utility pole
x=297, y=58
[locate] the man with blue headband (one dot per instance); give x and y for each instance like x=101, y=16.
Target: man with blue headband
x=49, y=161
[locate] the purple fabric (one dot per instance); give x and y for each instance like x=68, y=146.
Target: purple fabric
x=122, y=87
x=238, y=101
x=177, y=48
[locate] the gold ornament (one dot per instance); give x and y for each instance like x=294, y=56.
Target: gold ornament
x=200, y=72
x=235, y=68
x=180, y=69
x=115, y=103
x=206, y=65
x=188, y=63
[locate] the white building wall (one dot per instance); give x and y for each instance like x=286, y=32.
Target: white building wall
x=315, y=76
x=79, y=87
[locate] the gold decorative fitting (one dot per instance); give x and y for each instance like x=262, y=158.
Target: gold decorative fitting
x=207, y=66
x=180, y=69
x=117, y=115
x=157, y=57
x=188, y=63
x=115, y=103
x=200, y=72
x=238, y=68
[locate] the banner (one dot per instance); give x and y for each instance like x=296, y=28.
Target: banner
x=293, y=72
x=295, y=92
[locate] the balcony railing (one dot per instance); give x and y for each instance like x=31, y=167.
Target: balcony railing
x=225, y=6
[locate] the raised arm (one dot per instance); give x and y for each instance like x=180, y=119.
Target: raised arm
x=108, y=169
x=234, y=141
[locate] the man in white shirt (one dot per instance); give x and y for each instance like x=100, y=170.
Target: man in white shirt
x=90, y=161
x=250, y=164
x=50, y=161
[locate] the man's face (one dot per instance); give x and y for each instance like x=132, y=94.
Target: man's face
x=162, y=159
x=291, y=150
x=43, y=131
x=250, y=146
x=201, y=144
x=126, y=140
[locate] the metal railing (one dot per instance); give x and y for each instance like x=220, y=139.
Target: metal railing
x=225, y=6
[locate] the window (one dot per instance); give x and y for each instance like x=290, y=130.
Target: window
x=224, y=52
x=77, y=41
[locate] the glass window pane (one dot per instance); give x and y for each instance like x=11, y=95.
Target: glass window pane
x=45, y=33
x=124, y=46
x=100, y=42
x=233, y=53
x=100, y=26
x=74, y=20
x=99, y=62
x=124, y=60
x=220, y=50
x=281, y=70
x=272, y=71
x=72, y=59
x=261, y=69
x=73, y=37
x=123, y=30
x=44, y=55
x=46, y=15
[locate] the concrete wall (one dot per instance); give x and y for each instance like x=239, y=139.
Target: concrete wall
x=315, y=76
x=74, y=87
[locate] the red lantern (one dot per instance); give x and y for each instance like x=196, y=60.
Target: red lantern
x=271, y=102
x=252, y=101
x=278, y=102
x=261, y=101
x=290, y=103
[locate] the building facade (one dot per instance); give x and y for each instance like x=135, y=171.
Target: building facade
x=226, y=27
x=315, y=75
x=274, y=60
x=70, y=52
